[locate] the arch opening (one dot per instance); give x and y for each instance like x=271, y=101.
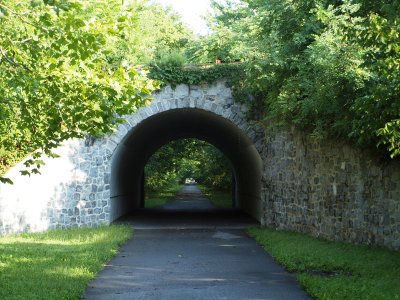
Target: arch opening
x=139, y=144
x=192, y=162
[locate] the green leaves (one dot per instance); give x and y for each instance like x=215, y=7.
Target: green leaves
x=331, y=68
x=55, y=81
x=188, y=158
x=175, y=75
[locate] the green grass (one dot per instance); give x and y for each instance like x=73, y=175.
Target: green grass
x=334, y=270
x=221, y=199
x=159, y=198
x=57, y=264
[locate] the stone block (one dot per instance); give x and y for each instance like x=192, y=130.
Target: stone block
x=167, y=92
x=196, y=95
x=213, y=90
x=225, y=93
x=181, y=91
x=207, y=105
x=163, y=105
x=192, y=103
x=180, y=103
x=94, y=171
x=200, y=103
x=173, y=104
x=132, y=120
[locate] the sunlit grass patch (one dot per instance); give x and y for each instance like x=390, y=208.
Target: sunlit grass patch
x=159, y=198
x=334, y=270
x=221, y=199
x=57, y=264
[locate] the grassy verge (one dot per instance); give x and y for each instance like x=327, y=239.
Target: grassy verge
x=334, y=270
x=57, y=264
x=221, y=199
x=159, y=198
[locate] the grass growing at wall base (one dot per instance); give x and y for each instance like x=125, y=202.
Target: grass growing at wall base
x=221, y=199
x=159, y=198
x=57, y=264
x=334, y=270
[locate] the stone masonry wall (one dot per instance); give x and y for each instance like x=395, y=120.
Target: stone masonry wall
x=330, y=191
x=73, y=190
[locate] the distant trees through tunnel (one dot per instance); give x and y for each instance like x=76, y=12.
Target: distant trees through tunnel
x=188, y=160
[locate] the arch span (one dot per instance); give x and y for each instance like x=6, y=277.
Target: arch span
x=149, y=135
x=96, y=181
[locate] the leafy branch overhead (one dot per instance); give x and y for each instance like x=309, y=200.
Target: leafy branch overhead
x=56, y=82
x=188, y=158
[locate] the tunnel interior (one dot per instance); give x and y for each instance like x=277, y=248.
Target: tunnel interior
x=132, y=154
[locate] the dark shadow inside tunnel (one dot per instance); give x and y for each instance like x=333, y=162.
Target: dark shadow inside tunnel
x=132, y=154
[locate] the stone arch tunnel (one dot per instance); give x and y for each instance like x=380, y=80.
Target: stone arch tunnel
x=287, y=181
x=98, y=181
x=139, y=144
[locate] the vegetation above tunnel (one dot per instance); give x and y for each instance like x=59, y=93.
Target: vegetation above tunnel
x=330, y=68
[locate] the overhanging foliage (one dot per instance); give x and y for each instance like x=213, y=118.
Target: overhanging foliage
x=331, y=68
x=67, y=69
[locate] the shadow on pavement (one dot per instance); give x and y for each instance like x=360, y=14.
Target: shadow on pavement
x=190, y=208
x=168, y=219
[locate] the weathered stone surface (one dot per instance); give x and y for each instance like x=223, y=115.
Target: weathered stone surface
x=81, y=196
x=181, y=91
x=330, y=191
x=196, y=94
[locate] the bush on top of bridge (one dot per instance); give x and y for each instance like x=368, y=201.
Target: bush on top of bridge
x=329, y=67
x=175, y=74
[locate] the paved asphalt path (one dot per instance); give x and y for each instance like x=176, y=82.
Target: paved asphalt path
x=180, y=253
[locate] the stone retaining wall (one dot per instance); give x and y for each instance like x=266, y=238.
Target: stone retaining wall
x=330, y=191
x=73, y=191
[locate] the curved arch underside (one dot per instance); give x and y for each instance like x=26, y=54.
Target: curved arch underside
x=142, y=141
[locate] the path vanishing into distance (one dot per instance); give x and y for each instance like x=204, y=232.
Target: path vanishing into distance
x=188, y=249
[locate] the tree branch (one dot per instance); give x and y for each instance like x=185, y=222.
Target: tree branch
x=13, y=62
x=20, y=42
x=348, y=14
x=23, y=19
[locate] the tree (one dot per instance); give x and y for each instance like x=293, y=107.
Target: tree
x=56, y=83
x=329, y=67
